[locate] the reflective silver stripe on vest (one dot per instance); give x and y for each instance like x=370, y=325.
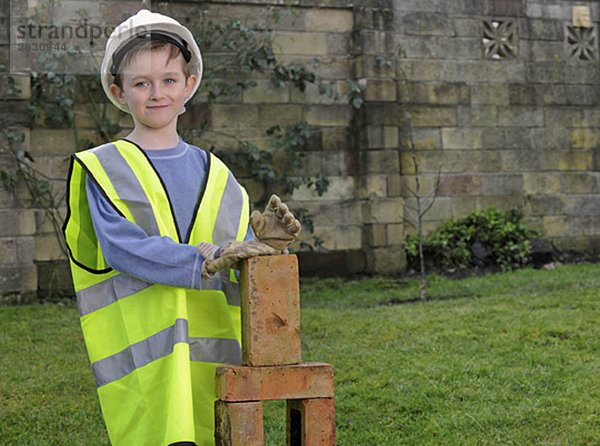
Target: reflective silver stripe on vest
x=128, y=187
x=228, y=218
x=107, y=292
x=161, y=344
x=221, y=282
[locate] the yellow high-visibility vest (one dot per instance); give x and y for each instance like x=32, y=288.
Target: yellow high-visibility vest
x=154, y=348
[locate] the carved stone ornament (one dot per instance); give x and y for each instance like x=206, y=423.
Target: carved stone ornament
x=499, y=39
x=582, y=43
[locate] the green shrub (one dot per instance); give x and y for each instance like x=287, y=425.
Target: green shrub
x=484, y=238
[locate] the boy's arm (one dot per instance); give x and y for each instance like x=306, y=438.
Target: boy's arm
x=128, y=249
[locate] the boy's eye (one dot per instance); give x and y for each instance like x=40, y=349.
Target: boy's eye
x=170, y=80
x=141, y=84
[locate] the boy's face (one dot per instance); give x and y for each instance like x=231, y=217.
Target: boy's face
x=154, y=90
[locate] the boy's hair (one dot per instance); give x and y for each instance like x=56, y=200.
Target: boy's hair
x=145, y=46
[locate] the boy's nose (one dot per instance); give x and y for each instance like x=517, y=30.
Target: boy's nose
x=155, y=91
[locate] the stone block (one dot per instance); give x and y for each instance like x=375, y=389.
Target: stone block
x=481, y=116
x=328, y=115
x=424, y=70
x=489, y=94
x=390, y=137
x=266, y=92
x=512, y=8
x=329, y=164
x=379, y=161
x=271, y=311
x=21, y=81
x=505, y=72
x=552, y=138
x=463, y=205
x=434, y=116
x=581, y=205
x=492, y=138
x=461, y=185
x=427, y=183
x=47, y=248
x=520, y=160
x=372, y=42
x=311, y=422
x=302, y=43
x=380, y=90
x=239, y=424
x=502, y=202
x=383, y=211
x=440, y=210
x=25, y=249
x=566, y=161
x=461, y=138
x=439, y=93
x=579, y=183
x=427, y=139
x=19, y=222
x=388, y=260
x=368, y=65
x=340, y=188
x=52, y=141
x=234, y=116
x=502, y=184
x=395, y=186
x=338, y=44
x=541, y=183
x=374, y=136
x=467, y=27
x=555, y=226
x=395, y=234
x=347, y=237
x=541, y=205
x=8, y=250
x=18, y=277
x=312, y=95
x=301, y=381
x=335, y=139
x=329, y=20
x=371, y=186
x=428, y=24
x=465, y=49
x=380, y=113
x=465, y=71
x=16, y=114
x=584, y=138
x=375, y=235
x=546, y=73
x=518, y=116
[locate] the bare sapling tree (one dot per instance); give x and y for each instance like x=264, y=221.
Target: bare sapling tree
x=423, y=202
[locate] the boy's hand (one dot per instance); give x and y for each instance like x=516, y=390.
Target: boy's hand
x=219, y=258
x=276, y=226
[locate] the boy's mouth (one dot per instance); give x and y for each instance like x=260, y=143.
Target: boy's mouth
x=157, y=107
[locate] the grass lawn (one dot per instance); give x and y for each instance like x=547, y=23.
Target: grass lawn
x=507, y=359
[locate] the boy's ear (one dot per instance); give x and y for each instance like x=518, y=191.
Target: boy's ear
x=117, y=94
x=190, y=83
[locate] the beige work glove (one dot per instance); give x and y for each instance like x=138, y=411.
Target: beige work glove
x=276, y=226
x=219, y=258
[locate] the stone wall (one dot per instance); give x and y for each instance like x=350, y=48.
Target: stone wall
x=504, y=103
x=515, y=126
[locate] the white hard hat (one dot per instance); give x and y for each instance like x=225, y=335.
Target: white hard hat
x=147, y=24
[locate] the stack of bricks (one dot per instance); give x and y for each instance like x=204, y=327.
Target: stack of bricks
x=271, y=364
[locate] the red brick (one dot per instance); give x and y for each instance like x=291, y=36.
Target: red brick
x=270, y=311
x=238, y=424
x=301, y=381
x=311, y=422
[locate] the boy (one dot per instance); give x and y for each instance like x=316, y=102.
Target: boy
x=153, y=227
